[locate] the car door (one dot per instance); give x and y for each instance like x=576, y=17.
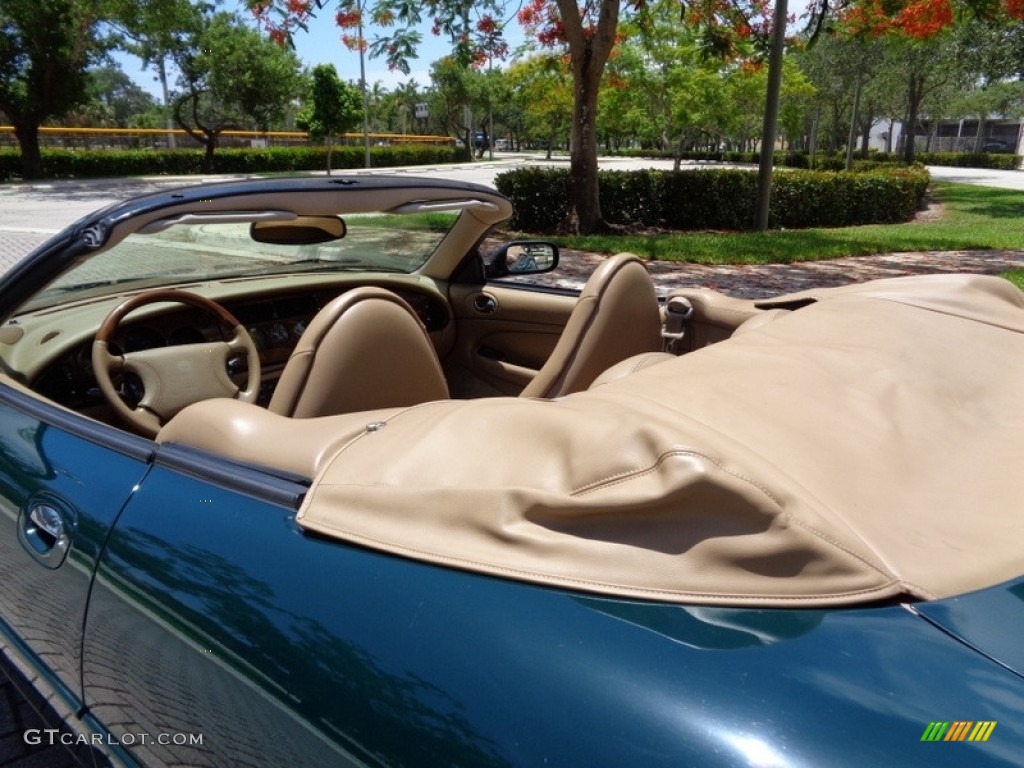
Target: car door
x=197, y=622
x=505, y=331
x=219, y=633
x=63, y=481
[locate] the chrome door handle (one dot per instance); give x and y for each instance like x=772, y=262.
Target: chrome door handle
x=45, y=531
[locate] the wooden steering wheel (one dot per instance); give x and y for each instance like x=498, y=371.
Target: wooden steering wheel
x=173, y=377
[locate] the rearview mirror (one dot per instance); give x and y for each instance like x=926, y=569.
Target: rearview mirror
x=302, y=230
x=522, y=257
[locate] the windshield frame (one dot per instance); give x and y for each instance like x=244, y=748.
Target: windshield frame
x=192, y=248
x=480, y=208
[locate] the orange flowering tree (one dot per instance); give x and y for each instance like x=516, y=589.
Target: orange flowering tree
x=473, y=26
x=910, y=25
x=587, y=32
x=915, y=19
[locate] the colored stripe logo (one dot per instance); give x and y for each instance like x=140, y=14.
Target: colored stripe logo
x=958, y=730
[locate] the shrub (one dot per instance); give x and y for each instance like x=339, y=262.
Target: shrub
x=67, y=163
x=721, y=199
x=540, y=197
x=836, y=161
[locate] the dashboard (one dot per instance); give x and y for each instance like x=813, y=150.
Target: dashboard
x=275, y=323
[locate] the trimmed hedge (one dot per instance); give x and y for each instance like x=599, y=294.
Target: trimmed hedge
x=722, y=199
x=836, y=161
x=106, y=163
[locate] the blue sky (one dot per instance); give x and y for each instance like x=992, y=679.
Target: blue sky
x=321, y=44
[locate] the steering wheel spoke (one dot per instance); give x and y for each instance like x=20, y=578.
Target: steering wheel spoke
x=174, y=377
x=102, y=358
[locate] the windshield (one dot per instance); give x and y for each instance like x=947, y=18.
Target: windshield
x=191, y=252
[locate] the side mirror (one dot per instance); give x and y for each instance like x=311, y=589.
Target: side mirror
x=522, y=257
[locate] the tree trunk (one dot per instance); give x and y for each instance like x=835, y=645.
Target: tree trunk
x=979, y=137
x=914, y=97
x=161, y=70
x=211, y=146
x=31, y=157
x=585, y=211
x=588, y=53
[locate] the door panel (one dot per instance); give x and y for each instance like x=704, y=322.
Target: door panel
x=189, y=629
x=504, y=334
x=220, y=634
x=60, y=493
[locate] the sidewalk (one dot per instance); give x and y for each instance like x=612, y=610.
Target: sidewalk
x=756, y=281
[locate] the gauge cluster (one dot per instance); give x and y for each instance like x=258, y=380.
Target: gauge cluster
x=275, y=324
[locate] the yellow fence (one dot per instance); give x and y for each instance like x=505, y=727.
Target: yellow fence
x=138, y=138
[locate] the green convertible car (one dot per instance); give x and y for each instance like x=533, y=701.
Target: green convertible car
x=310, y=473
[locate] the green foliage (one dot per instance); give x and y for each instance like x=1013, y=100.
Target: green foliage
x=541, y=88
x=232, y=78
x=540, y=197
x=113, y=100
x=836, y=161
x=45, y=47
x=971, y=160
x=107, y=163
x=720, y=199
x=157, y=30
x=972, y=218
x=333, y=106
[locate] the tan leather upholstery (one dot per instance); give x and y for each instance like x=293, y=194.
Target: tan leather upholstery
x=762, y=318
x=798, y=463
x=629, y=366
x=615, y=317
x=715, y=315
x=364, y=350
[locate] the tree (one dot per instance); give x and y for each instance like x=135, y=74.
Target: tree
x=45, y=48
x=727, y=29
x=543, y=90
x=403, y=100
x=112, y=100
x=159, y=32
x=915, y=31
x=589, y=32
x=451, y=99
x=332, y=108
x=991, y=60
x=232, y=78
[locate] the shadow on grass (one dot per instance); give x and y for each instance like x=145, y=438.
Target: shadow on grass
x=989, y=202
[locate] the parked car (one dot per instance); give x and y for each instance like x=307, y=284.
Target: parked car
x=306, y=472
x=994, y=145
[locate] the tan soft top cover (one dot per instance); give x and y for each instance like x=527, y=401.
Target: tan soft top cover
x=867, y=446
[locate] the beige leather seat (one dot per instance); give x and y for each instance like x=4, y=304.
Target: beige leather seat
x=763, y=317
x=615, y=317
x=631, y=365
x=365, y=350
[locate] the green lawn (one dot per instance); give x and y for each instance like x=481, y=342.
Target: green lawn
x=1016, y=276
x=972, y=218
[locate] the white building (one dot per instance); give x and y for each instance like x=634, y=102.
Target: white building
x=1004, y=136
